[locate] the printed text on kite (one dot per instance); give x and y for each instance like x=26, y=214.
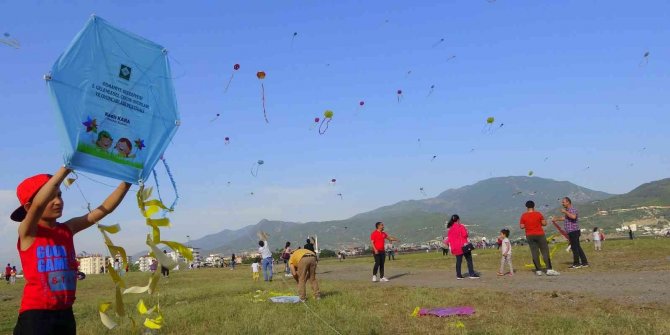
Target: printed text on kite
x=114, y=123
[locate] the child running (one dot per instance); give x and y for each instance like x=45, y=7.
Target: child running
x=506, y=251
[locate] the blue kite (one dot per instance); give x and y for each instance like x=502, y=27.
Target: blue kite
x=115, y=102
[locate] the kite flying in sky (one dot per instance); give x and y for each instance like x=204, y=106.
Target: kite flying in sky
x=255, y=167
x=327, y=117
x=232, y=75
x=261, y=75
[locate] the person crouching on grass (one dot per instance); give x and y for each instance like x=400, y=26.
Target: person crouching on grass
x=303, y=267
x=46, y=248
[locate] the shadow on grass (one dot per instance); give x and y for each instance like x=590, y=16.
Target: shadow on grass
x=329, y=294
x=324, y=272
x=398, y=275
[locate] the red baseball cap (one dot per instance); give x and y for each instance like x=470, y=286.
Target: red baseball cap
x=26, y=191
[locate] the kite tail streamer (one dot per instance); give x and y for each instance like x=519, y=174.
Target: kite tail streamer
x=265, y=115
x=148, y=207
x=326, y=122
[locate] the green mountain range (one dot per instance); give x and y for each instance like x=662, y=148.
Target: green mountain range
x=485, y=207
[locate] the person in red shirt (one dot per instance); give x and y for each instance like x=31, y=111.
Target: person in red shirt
x=532, y=222
x=47, y=252
x=8, y=272
x=377, y=239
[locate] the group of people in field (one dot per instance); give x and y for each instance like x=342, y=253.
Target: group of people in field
x=532, y=222
x=49, y=264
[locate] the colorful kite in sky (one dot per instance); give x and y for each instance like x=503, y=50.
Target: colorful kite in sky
x=399, y=94
x=327, y=117
x=316, y=121
x=261, y=75
x=488, y=127
x=111, y=87
x=255, y=167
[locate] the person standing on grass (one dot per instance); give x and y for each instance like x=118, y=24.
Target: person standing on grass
x=266, y=259
x=12, y=278
x=571, y=226
x=506, y=251
x=377, y=239
x=457, y=235
x=309, y=245
x=303, y=268
x=48, y=257
x=232, y=262
x=532, y=222
x=630, y=233
x=254, y=270
x=165, y=272
x=8, y=272
x=286, y=255
x=597, y=242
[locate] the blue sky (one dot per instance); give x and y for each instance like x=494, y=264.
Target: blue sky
x=567, y=79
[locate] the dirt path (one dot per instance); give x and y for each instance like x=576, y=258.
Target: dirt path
x=632, y=287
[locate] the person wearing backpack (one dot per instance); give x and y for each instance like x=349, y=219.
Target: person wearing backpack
x=286, y=255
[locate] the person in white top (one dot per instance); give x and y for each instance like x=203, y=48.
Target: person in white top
x=506, y=251
x=266, y=262
x=597, y=240
x=254, y=270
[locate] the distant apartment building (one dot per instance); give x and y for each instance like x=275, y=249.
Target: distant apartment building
x=91, y=264
x=144, y=263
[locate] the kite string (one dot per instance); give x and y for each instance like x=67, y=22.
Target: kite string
x=229, y=81
x=309, y=308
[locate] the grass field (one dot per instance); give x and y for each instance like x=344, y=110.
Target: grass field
x=220, y=301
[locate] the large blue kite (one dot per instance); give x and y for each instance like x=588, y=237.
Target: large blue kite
x=115, y=102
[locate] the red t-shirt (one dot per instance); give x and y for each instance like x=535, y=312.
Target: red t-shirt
x=533, y=223
x=50, y=270
x=377, y=237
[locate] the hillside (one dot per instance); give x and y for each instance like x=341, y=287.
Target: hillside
x=485, y=207
x=648, y=204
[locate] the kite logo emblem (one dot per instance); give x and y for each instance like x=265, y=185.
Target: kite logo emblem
x=124, y=72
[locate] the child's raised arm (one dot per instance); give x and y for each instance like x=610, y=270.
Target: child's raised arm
x=36, y=207
x=109, y=205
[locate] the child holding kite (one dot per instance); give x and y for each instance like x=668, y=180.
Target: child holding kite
x=46, y=248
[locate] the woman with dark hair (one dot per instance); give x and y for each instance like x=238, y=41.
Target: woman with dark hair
x=457, y=236
x=286, y=255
